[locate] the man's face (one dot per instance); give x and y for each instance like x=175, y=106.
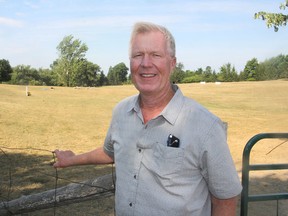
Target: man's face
x=150, y=63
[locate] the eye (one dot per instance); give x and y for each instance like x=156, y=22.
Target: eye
x=156, y=55
x=136, y=55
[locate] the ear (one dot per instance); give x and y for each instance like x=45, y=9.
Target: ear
x=173, y=63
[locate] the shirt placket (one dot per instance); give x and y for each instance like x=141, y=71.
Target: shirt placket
x=140, y=151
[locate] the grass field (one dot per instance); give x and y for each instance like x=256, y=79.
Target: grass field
x=77, y=119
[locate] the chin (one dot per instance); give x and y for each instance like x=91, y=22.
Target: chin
x=148, y=91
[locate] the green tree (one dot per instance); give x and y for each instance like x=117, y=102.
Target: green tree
x=250, y=70
x=25, y=75
x=46, y=77
x=199, y=71
x=102, y=79
x=111, y=76
x=178, y=73
x=214, y=76
x=192, y=79
x=274, y=19
x=5, y=70
x=227, y=73
x=88, y=74
x=283, y=66
x=275, y=68
x=71, y=56
x=207, y=75
x=117, y=75
x=193, y=76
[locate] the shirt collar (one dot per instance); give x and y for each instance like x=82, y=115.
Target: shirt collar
x=133, y=104
x=170, y=112
x=173, y=108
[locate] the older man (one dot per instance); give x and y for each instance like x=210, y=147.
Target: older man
x=170, y=153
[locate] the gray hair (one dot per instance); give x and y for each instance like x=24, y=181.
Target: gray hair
x=144, y=27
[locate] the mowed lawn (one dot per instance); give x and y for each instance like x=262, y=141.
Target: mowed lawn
x=78, y=118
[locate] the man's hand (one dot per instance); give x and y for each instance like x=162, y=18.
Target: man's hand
x=64, y=158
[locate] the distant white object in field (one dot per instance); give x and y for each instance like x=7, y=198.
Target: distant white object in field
x=27, y=92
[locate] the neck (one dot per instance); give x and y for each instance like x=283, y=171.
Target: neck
x=151, y=105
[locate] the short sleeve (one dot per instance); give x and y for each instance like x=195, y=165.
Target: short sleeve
x=217, y=165
x=108, y=143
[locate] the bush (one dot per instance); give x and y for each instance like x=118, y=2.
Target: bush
x=192, y=79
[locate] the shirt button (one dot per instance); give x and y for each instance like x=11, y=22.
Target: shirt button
x=135, y=176
x=130, y=204
x=139, y=150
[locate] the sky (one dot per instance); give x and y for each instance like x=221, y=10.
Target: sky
x=207, y=33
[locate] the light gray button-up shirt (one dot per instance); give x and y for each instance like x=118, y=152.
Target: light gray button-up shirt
x=153, y=179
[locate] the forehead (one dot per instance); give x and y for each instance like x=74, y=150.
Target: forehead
x=153, y=40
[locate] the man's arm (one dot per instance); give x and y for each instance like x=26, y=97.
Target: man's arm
x=68, y=158
x=224, y=207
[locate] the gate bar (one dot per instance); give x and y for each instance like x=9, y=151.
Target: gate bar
x=246, y=167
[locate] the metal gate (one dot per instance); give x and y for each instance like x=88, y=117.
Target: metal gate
x=246, y=167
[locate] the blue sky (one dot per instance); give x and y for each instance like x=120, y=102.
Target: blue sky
x=206, y=32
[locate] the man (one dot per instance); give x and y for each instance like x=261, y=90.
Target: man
x=170, y=153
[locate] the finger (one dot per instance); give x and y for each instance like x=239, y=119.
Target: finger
x=56, y=151
x=56, y=165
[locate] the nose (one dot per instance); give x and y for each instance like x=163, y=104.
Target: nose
x=146, y=61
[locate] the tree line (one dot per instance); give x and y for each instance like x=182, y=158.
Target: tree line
x=271, y=69
x=71, y=68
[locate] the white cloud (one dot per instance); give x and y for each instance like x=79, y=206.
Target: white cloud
x=31, y=5
x=108, y=21
x=10, y=22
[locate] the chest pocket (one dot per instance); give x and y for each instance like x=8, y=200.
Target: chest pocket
x=163, y=161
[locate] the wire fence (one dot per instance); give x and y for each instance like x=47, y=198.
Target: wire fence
x=26, y=171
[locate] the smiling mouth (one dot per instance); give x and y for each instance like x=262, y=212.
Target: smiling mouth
x=148, y=75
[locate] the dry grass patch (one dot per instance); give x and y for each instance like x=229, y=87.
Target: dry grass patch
x=68, y=118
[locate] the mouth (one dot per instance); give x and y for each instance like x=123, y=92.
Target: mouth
x=147, y=75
